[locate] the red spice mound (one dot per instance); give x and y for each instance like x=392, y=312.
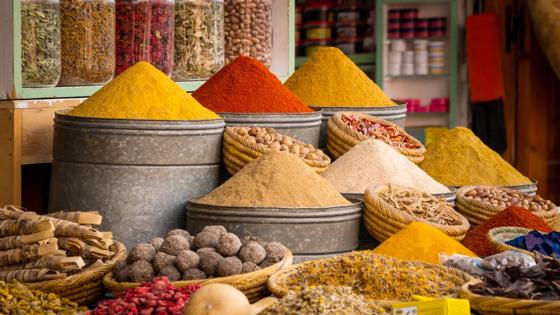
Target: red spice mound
x=476, y=241
x=246, y=86
x=154, y=297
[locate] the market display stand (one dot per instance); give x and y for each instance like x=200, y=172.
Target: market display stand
x=26, y=114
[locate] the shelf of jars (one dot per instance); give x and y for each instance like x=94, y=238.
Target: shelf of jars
x=70, y=48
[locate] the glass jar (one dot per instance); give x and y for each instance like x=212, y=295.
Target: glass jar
x=88, y=41
x=248, y=29
x=199, y=39
x=144, y=33
x=40, y=43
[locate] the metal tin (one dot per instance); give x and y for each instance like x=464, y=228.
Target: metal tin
x=530, y=189
x=395, y=114
x=307, y=232
x=305, y=127
x=138, y=174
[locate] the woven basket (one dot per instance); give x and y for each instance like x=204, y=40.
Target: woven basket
x=277, y=282
x=84, y=287
x=341, y=137
x=500, y=235
x=478, y=212
x=495, y=305
x=383, y=220
x=252, y=284
x=238, y=151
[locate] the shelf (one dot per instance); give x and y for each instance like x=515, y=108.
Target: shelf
x=426, y=119
x=431, y=38
x=417, y=76
x=364, y=58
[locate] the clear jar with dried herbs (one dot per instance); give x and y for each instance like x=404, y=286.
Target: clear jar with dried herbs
x=199, y=39
x=248, y=29
x=40, y=43
x=88, y=41
x=144, y=33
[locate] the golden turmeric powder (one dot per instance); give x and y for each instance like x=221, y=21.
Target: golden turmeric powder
x=142, y=92
x=329, y=78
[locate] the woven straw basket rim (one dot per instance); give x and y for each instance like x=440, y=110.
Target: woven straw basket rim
x=500, y=235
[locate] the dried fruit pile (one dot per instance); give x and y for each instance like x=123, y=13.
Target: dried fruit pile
x=211, y=253
x=377, y=130
x=503, y=198
x=155, y=297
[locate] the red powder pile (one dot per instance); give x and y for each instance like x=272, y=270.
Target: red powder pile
x=246, y=86
x=476, y=240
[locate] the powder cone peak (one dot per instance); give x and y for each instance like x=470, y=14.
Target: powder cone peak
x=247, y=86
x=276, y=179
x=142, y=92
x=329, y=78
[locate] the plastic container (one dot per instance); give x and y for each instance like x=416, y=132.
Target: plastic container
x=393, y=24
x=311, y=46
x=411, y=13
x=144, y=33
x=321, y=30
x=437, y=22
x=349, y=45
x=408, y=56
x=436, y=47
x=316, y=12
x=248, y=30
x=437, y=69
x=407, y=32
x=420, y=45
x=349, y=30
x=394, y=14
x=393, y=34
x=421, y=56
x=423, y=23
x=421, y=32
x=398, y=45
x=349, y=14
x=421, y=68
x=395, y=57
x=408, y=69
x=407, y=23
x=437, y=31
x=299, y=15
x=88, y=41
x=395, y=69
x=40, y=43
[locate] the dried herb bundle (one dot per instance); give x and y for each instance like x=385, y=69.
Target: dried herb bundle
x=40, y=43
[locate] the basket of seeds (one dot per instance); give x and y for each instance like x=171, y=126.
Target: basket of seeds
x=347, y=129
x=377, y=278
x=212, y=256
x=390, y=208
x=244, y=144
x=479, y=203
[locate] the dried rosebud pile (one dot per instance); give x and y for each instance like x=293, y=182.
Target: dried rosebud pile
x=155, y=297
x=387, y=133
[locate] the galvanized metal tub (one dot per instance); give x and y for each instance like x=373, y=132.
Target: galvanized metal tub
x=308, y=232
x=395, y=114
x=138, y=173
x=305, y=127
x=530, y=189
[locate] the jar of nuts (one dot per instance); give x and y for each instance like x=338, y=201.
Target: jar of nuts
x=248, y=29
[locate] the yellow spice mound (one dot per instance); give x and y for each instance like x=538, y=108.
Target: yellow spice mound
x=329, y=78
x=277, y=179
x=142, y=92
x=421, y=242
x=459, y=158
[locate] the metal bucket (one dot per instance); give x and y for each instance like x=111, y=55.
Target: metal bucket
x=530, y=189
x=395, y=114
x=450, y=196
x=308, y=232
x=138, y=173
x=302, y=126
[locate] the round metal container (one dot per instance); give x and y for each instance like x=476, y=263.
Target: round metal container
x=530, y=189
x=450, y=196
x=138, y=174
x=307, y=232
x=395, y=114
x=302, y=126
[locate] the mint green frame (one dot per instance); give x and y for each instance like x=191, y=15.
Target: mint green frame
x=84, y=91
x=454, y=45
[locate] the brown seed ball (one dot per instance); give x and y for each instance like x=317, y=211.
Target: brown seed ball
x=228, y=245
x=194, y=274
x=275, y=249
x=209, y=262
x=206, y=239
x=142, y=251
x=187, y=259
x=174, y=244
x=121, y=274
x=229, y=266
x=170, y=272
x=141, y=271
x=181, y=232
x=252, y=252
x=269, y=261
x=216, y=229
x=162, y=259
x=249, y=267
x=247, y=239
x=202, y=251
x=156, y=242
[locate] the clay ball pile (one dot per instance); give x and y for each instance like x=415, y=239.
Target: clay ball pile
x=211, y=253
x=275, y=141
x=503, y=198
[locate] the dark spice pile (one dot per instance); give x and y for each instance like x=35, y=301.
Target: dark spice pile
x=476, y=239
x=545, y=244
x=539, y=282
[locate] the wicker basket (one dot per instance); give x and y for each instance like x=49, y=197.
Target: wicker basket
x=277, y=282
x=341, y=137
x=500, y=235
x=252, y=284
x=238, y=151
x=84, y=287
x=495, y=305
x=383, y=220
x=478, y=212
